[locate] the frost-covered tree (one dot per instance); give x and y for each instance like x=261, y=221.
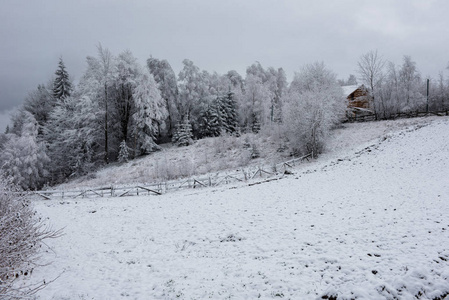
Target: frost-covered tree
x=313, y=105
x=439, y=97
x=183, y=134
x=399, y=90
x=227, y=113
x=352, y=80
x=96, y=84
x=277, y=84
x=255, y=110
x=370, y=67
x=410, y=81
x=235, y=79
x=387, y=94
x=236, y=87
x=165, y=77
x=150, y=112
x=62, y=87
x=74, y=137
x=191, y=87
x=40, y=103
x=126, y=74
x=123, y=155
x=209, y=122
x=23, y=159
x=263, y=93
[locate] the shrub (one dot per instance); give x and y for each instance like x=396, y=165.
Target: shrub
x=21, y=236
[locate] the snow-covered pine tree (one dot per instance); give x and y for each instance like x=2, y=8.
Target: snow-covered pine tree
x=62, y=87
x=23, y=159
x=255, y=123
x=209, y=124
x=123, y=155
x=150, y=110
x=227, y=113
x=183, y=134
x=255, y=153
x=40, y=103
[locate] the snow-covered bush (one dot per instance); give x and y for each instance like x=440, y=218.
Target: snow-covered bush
x=21, y=236
x=313, y=105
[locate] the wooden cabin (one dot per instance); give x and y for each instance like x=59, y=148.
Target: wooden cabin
x=360, y=101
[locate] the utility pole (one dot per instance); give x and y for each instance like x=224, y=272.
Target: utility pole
x=427, y=105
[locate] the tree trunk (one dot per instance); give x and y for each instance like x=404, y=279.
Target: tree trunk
x=106, y=150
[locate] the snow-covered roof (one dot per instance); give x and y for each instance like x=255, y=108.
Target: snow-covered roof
x=348, y=89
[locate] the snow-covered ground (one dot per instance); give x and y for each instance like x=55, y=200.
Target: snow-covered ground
x=227, y=154
x=373, y=224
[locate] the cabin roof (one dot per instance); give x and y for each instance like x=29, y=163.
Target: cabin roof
x=348, y=89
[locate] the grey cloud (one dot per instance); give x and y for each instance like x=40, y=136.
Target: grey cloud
x=216, y=35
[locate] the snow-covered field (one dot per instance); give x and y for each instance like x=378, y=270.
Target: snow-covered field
x=373, y=224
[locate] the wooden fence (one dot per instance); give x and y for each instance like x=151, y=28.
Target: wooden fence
x=412, y=114
x=246, y=175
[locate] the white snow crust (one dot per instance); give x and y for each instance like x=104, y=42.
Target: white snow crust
x=368, y=222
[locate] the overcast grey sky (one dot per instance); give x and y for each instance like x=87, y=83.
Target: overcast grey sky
x=217, y=35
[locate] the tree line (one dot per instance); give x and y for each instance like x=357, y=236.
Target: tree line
x=401, y=88
x=121, y=110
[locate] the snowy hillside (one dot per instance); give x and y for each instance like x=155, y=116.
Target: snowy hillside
x=372, y=224
x=227, y=154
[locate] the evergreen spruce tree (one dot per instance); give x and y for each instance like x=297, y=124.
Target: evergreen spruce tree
x=210, y=121
x=228, y=114
x=183, y=134
x=255, y=153
x=255, y=124
x=123, y=155
x=40, y=103
x=62, y=87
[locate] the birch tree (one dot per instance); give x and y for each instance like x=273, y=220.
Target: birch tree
x=95, y=84
x=126, y=74
x=165, y=77
x=370, y=69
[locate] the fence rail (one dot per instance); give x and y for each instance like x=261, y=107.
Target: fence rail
x=411, y=114
x=246, y=175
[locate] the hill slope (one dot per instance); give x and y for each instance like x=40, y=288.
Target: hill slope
x=372, y=225
x=226, y=154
